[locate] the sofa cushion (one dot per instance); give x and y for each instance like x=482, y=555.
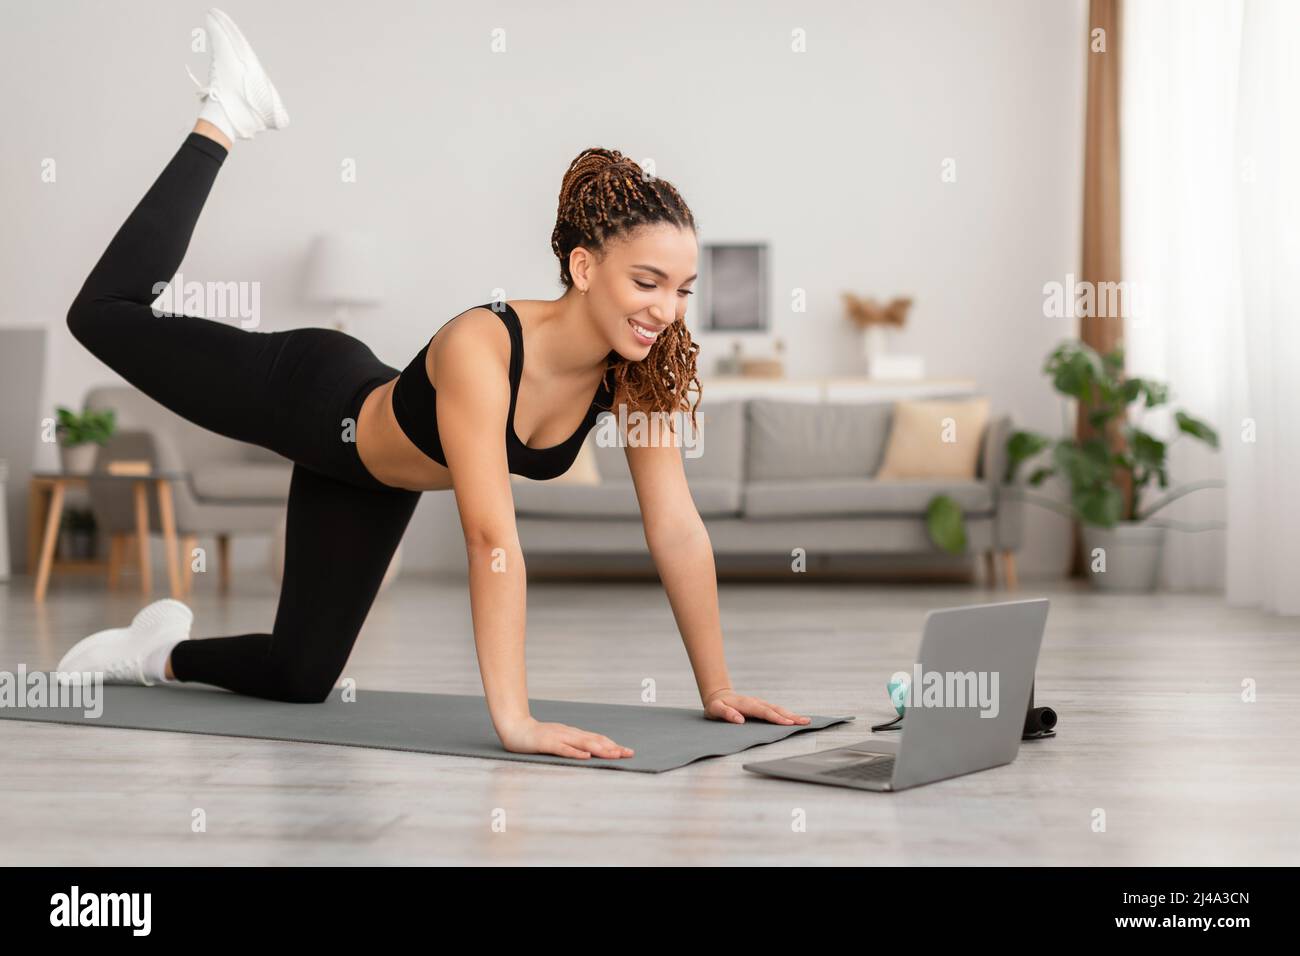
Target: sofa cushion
x=806, y=440
x=936, y=439
x=720, y=444
x=859, y=496
x=246, y=481
x=714, y=497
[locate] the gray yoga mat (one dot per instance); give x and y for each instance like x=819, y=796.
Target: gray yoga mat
x=664, y=738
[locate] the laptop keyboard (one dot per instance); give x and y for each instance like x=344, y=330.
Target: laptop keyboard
x=868, y=770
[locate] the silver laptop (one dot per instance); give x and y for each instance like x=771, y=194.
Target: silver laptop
x=965, y=710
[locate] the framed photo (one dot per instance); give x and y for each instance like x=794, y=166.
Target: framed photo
x=735, y=279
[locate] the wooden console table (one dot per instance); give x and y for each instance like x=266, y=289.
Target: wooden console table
x=46, y=495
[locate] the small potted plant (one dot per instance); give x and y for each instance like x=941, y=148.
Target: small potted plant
x=1122, y=540
x=80, y=434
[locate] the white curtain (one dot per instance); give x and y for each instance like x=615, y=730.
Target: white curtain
x=1210, y=117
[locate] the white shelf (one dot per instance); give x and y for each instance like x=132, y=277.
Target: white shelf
x=833, y=389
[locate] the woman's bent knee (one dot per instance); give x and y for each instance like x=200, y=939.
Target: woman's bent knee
x=296, y=684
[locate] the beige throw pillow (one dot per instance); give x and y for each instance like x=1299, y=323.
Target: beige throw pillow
x=581, y=472
x=935, y=439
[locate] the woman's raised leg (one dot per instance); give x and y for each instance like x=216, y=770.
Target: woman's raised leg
x=214, y=374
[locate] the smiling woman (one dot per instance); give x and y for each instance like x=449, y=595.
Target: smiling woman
x=518, y=387
x=641, y=233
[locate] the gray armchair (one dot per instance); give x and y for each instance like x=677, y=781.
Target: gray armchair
x=230, y=487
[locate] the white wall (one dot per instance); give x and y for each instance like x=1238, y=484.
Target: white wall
x=833, y=156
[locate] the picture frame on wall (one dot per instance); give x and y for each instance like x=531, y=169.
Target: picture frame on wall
x=735, y=287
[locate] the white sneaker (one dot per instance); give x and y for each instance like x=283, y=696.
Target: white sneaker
x=237, y=81
x=119, y=653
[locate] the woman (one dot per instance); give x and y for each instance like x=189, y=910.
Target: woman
x=627, y=253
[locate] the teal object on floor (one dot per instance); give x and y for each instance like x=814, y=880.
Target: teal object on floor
x=898, y=687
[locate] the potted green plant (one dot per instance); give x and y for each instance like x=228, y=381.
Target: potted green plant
x=80, y=434
x=1123, y=541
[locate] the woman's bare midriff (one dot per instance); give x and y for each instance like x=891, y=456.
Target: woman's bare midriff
x=393, y=459
x=386, y=451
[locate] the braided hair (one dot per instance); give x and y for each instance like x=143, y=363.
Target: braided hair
x=606, y=195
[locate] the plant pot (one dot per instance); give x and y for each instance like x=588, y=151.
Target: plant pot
x=78, y=459
x=1132, y=556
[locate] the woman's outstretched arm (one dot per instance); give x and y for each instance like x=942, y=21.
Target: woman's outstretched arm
x=683, y=555
x=472, y=378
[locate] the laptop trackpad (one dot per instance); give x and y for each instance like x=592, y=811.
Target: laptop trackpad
x=846, y=755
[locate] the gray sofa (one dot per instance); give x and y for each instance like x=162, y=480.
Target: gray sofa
x=775, y=476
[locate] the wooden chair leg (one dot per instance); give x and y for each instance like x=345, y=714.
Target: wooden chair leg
x=223, y=562
x=49, y=540
x=142, y=536
x=1009, y=570
x=167, y=513
x=37, y=503
x=991, y=568
x=188, y=543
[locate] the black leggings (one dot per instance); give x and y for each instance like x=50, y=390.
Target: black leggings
x=287, y=391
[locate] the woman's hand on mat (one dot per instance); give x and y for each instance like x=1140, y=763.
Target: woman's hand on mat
x=530, y=736
x=726, y=704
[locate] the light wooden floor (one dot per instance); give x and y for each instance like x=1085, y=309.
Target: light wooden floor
x=1153, y=732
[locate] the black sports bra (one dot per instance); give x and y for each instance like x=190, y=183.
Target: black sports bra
x=415, y=408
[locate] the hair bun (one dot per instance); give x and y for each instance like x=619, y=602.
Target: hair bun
x=586, y=168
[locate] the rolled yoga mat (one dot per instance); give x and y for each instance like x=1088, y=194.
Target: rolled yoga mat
x=664, y=738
